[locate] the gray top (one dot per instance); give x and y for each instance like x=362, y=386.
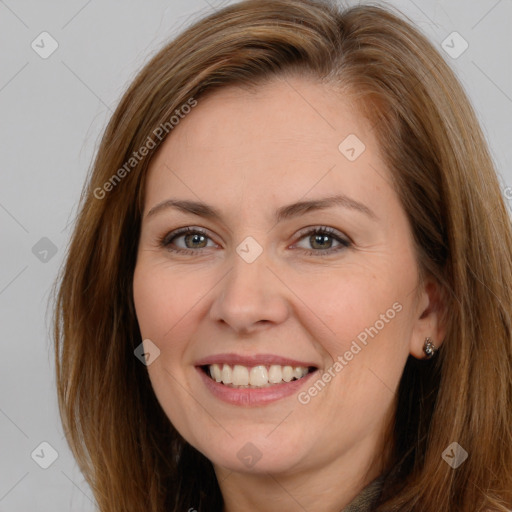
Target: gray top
x=367, y=498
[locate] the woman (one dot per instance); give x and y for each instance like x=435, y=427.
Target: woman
x=288, y=282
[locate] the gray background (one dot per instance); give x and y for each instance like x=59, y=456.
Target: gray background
x=53, y=112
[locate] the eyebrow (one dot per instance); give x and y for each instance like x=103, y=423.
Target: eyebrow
x=283, y=213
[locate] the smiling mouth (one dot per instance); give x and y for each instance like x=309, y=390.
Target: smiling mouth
x=259, y=376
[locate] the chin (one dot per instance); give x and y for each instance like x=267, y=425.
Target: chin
x=257, y=454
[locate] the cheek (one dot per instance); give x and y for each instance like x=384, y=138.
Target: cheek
x=361, y=326
x=344, y=304
x=164, y=301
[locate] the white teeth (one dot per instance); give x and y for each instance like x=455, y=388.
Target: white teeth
x=227, y=374
x=287, y=373
x=240, y=375
x=297, y=372
x=256, y=376
x=275, y=374
x=215, y=372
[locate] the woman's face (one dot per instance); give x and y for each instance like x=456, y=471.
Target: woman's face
x=299, y=255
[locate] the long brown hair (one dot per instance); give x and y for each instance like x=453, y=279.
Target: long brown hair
x=128, y=451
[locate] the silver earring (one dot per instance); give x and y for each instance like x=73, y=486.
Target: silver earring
x=429, y=348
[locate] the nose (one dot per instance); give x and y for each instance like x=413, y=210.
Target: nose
x=250, y=297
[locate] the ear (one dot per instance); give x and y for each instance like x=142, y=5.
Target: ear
x=431, y=315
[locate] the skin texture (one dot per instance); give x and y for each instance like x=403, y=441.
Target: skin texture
x=247, y=154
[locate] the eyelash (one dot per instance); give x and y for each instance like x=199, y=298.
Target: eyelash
x=165, y=241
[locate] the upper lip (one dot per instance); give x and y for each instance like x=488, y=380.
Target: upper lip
x=252, y=360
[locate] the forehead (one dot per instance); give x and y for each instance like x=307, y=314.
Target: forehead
x=285, y=111
x=289, y=136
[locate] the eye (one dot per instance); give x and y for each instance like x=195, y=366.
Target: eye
x=324, y=240
x=191, y=239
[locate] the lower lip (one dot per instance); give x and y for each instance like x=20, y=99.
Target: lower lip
x=254, y=396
